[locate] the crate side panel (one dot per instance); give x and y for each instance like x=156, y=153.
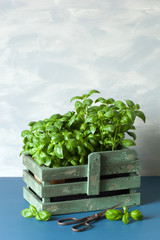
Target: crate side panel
x=121, y=167
x=99, y=203
x=64, y=189
x=49, y=174
x=32, y=166
x=32, y=183
x=120, y=183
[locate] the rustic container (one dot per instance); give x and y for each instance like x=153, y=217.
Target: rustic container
x=109, y=178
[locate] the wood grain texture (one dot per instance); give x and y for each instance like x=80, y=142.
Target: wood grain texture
x=94, y=169
x=66, y=189
x=82, y=205
x=105, y=172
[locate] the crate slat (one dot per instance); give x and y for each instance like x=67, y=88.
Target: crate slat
x=66, y=189
x=94, y=167
x=64, y=172
x=121, y=167
x=125, y=155
x=107, y=168
x=120, y=183
x=82, y=205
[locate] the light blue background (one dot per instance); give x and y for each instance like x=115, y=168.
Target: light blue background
x=51, y=50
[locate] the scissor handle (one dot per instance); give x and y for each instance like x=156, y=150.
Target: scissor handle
x=69, y=221
x=79, y=227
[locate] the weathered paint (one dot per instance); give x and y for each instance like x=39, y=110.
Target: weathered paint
x=93, y=182
x=82, y=205
x=99, y=164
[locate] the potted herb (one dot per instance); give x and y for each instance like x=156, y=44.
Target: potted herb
x=65, y=141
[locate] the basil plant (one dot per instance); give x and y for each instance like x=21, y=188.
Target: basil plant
x=66, y=140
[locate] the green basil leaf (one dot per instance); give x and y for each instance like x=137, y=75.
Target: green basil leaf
x=56, y=137
x=58, y=151
x=77, y=105
x=93, y=109
x=44, y=215
x=92, y=141
x=101, y=100
x=125, y=218
x=91, y=92
x=83, y=126
x=69, y=114
x=111, y=113
x=33, y=210
x=82, y=160
x=127, y=143
x=58, y=124
x=87, y=102
x=24, y=133
x=137, y=106
x=51, y=128
x=27, y=213
x=74, y=160
x=121, y=135
x=31, y=123
x=125, y=209
x=136, y=215
x=38, y=217
x=71, y=146
x=81, y=150
x=110, y=101
x=72, y=120
x=109, y=142
x=125, y=127
x=93, y=128
x=50, y=147
x=90, y=119
x=30, y=136
x=45, y=158
x=131, y=114
x=125, y=120
x=38, y=159
x=113, y=214
x=120, y=104
x=141, y=115
x=76, y=97
x=130, y=103
x=32, y=151
x=55, y=117
x=89, y=146
x=44, y=138
x=108, y=128
x=100, y=114
x=38, y=126
x=132, y=134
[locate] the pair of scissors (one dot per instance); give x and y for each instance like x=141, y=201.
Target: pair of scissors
x=83, y=223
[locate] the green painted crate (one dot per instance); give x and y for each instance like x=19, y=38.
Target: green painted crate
x=109, y=178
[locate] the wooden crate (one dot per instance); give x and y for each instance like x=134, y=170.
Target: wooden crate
x=109, y=178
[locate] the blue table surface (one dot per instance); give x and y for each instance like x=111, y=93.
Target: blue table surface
x=14, y=226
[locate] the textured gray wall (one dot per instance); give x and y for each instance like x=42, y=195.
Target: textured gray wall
x=51, y=50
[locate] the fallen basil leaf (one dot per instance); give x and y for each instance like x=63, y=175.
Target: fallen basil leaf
x=44, y=215
x=125, y=218
x=27, y=213
x=113, y=214
x=33, y=210
x=136, y=215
